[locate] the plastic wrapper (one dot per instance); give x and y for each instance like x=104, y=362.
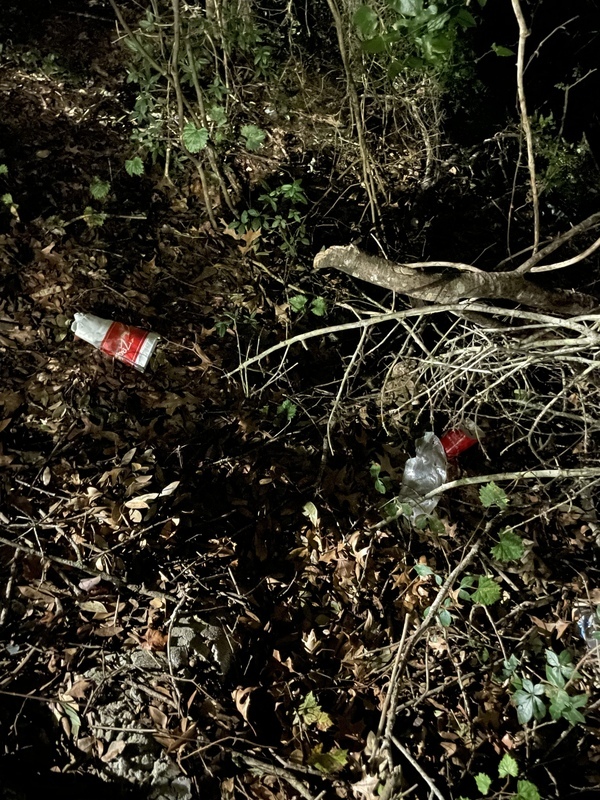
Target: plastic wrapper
x=126, y=343
x=422, y=474
x=589, y=627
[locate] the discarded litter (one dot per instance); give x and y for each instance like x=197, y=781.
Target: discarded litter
x=428, y=470
x=126, y=343
x=457, y=441
x=589, y=627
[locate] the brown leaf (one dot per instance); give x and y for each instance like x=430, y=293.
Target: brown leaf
x=154, y=640
x=177, y=739
x=158, y=717
x=78, y=690
x=108, y=630
x=241, y=698
x=113, y=750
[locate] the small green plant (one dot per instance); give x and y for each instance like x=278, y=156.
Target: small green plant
x=331, y=761
x=381, y=483
x=485, y=593
x=99, y=189
x=310, y=713
x=413, y=33
x=287, y=410
x=92, y=218
x=253, y=137
x=510, y=546
x=507, y=768
x=317, y=306
x=492, y=495
x=560, y=672
x=195, y=139
x=134, y=166
x=276, y=211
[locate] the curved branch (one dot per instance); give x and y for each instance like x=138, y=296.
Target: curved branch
x=440, y=288
x=523, y=34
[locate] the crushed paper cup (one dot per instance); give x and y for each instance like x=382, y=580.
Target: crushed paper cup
x=457, y=441
x=126, y=343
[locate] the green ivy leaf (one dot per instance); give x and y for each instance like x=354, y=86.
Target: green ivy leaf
x=287, y=409
x=465, y=19
x=134, y=166
x=409, y=8
x=254, y=137
x=528, y=702
x=332, y=761
x=366, y=20
x=445, y=618
x=487, y=591
x=311, y=713
x=195, y=139
x=571, y=714
x=422, y=570
x=298, y=303
x=508, y=766
x=319, y=307
x=93, y=219
x=7, y=199
x=99, y=188
x=483, y=782
x=3, y=169
x=527, y=791
x=501, y=51
x=375, y=45
x=510, y=546
x=435, y=524
x=218, y=115
x=492, y=495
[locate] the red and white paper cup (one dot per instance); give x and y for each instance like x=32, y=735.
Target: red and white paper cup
x=126, y=343
x=457, y=441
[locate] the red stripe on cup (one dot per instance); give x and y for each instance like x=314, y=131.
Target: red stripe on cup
x=455, y=442
x=123, y=342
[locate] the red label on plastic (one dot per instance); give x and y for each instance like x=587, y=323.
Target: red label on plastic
x=455, y=442
x=123, y=342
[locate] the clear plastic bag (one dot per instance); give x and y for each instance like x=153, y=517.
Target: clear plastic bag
x=422, y=474
x=589, y=627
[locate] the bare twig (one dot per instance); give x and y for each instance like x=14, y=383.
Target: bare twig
x=425, y=624
x=356, y=112
x=414, y=763
x=525, y=122
x=119, y=582
x=570, y=261
x=343, y=382
x=136, y=42
x=377, y=319
x=553, y=474
x=263, y=767
x=585, y=225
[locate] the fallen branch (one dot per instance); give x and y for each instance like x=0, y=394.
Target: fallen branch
x=264, y=768
x=553, y=474
x=105, y=576
x=449, y=288
x=455, y=308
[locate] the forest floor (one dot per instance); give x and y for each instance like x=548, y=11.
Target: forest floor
x=198, y=596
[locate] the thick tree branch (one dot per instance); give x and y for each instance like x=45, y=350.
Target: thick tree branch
x=446, y=289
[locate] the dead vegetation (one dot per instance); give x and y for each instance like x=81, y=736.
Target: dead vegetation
x=207, y=589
